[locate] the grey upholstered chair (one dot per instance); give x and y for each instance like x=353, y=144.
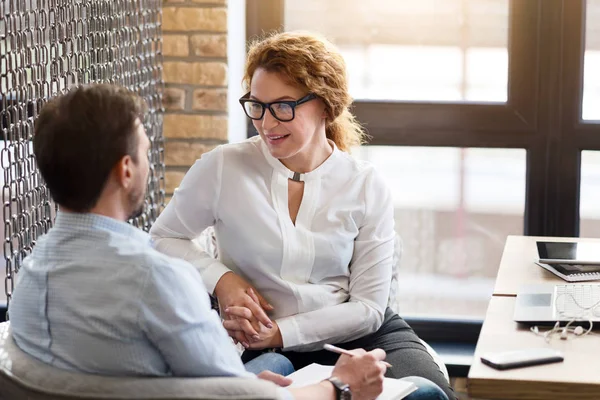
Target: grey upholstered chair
x=24, y=377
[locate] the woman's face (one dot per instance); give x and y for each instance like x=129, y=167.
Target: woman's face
x=298, y=138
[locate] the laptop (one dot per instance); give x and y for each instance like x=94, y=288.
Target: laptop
x=544, y=304
x=580, y=253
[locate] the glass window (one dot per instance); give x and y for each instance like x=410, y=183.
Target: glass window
x=453, y=216
x=590, y=109
x=589, y=212
x=406, y=50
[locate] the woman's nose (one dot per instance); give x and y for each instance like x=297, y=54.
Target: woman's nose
x=268, y=120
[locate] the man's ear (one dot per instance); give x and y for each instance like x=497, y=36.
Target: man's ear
x=123, y=171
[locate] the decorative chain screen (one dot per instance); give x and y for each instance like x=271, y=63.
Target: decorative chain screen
x=46, y=47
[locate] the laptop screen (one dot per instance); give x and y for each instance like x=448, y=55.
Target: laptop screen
x=582, y=251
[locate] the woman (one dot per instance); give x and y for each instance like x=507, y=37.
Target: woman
x=305, y=232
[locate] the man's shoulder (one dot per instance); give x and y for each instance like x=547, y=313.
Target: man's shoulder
x=166, y=274
x=160, y=263
x=107, y=249
x=103, y=247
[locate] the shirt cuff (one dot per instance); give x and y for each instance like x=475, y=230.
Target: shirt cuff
x=290, y=334
x=211, y=275
x=285, y=394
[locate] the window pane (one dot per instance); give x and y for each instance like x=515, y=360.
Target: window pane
x=428, y=50
x=589, y=212
x=591, y=66
x=453, y=216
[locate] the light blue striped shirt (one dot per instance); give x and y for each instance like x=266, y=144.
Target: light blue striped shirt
x=95, y=297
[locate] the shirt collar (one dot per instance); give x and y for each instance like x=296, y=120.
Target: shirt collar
x=316, y=173
x=82, y=221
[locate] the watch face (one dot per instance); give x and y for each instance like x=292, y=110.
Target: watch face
x=342, y=390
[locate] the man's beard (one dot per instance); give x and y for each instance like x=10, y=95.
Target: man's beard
x=136, y=199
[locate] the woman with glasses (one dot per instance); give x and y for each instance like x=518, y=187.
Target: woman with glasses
x=305, y=232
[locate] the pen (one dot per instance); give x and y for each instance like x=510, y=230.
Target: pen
x=338, y=350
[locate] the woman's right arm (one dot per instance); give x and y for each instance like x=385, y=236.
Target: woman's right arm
x=192, y=209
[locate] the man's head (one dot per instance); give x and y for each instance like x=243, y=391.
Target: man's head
x=89, y=144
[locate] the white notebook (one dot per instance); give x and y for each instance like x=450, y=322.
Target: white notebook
x=393, y=389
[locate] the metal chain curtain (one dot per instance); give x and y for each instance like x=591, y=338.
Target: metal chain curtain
x=46, y=47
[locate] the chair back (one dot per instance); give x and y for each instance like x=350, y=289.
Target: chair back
x=24, y=377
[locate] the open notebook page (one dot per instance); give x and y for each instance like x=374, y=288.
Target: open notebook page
x=393, y=389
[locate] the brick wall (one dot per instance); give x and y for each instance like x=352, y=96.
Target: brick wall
x=195, y=75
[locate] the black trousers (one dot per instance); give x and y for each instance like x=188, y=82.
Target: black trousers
x=404, y=351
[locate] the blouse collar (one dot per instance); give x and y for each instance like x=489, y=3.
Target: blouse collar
x=314, y=174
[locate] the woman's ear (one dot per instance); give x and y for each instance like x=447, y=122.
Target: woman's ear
x=325, y=114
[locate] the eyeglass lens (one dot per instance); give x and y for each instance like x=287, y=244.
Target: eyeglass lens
x=281, y=111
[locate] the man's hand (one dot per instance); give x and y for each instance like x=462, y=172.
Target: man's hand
x=233, y=291
x=363, y=372
x=275, y=378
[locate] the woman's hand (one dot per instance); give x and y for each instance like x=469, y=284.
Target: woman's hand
x=261, y=338
x=234, y=291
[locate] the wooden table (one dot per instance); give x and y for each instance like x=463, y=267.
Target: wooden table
x=517, y=266
x=578, y=377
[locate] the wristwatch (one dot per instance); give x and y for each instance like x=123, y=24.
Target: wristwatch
x=342, y=390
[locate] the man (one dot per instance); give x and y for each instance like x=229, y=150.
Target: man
x=94, y=296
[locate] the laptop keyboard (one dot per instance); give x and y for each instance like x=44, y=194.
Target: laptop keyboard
x=578, y=300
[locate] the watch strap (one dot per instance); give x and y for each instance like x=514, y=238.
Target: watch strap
x=341, y=388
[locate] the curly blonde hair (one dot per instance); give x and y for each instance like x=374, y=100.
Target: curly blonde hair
x=313, y=63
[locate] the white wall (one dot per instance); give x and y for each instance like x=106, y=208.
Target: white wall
x=236, y=54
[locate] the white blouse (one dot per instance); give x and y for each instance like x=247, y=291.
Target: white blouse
x=327, y=276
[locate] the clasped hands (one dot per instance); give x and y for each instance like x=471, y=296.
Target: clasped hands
x=244, y=312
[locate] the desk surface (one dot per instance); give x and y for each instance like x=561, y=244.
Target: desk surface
x=518, y=267
x=578, y=377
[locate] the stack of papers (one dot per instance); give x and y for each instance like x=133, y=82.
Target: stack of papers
x=393, y=389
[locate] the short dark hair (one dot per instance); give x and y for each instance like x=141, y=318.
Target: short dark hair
x=80, y=136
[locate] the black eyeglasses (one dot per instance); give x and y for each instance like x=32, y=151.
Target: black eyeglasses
x=283, y=111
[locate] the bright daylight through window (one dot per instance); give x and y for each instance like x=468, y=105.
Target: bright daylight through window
x=453, y=207
x=591, y=66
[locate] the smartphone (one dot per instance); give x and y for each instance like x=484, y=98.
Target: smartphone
x=521, y=358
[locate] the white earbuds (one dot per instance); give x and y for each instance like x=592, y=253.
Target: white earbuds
x=563, y=331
